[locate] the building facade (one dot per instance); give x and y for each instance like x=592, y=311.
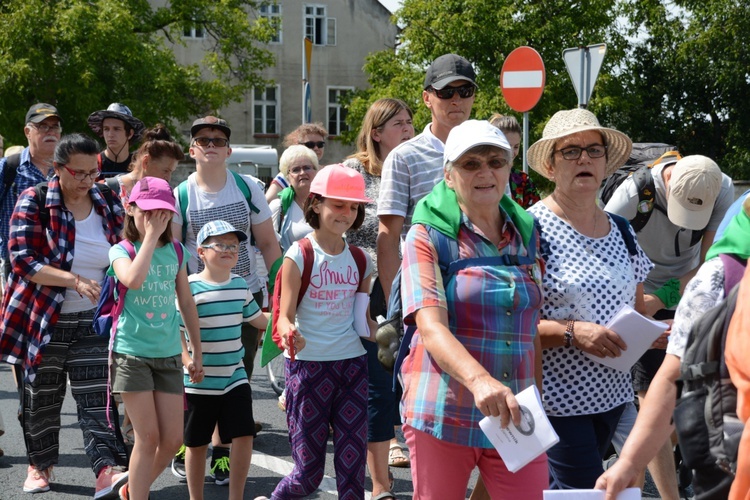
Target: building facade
x=343, y=33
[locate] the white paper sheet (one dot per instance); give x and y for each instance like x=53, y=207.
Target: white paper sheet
x=519, y=446
x=638, y=332
x=361, y=326
x=626, y=494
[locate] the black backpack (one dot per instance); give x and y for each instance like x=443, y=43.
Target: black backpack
x=643, y=157
x=12, y=163
x=705, y=416
x=40, y=192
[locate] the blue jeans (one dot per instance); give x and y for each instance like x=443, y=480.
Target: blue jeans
x=576, y=461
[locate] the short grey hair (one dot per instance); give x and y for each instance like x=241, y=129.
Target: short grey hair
x=294, y=153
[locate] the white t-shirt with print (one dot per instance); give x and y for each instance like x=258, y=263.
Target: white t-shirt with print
x=586, y=279
x=228, y=204
x=703, y=292
x=325, y=316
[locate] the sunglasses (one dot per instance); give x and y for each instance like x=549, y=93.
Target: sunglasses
x=314, y=144
x=299, y=170
x=219, y=142
x=464, y=91
x=79, y=176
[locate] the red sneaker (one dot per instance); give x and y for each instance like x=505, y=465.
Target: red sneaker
x=108, y=483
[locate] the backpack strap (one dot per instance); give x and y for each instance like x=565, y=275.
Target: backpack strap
x=245, y=191
x=179, y=252
x=361, y=260
x=734, y=269
x=11, y=170
x=182, y=197
x=623, y=226
x=308, y=258
x=644, y=183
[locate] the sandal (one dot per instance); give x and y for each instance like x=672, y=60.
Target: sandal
x=396, y=456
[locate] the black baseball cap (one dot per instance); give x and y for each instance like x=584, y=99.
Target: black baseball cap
x=210, y=122
x=446, y=69
x=40, y=112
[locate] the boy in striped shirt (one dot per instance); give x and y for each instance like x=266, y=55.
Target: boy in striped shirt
x=223, y=400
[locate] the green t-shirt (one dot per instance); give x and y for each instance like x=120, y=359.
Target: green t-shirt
x=149, y=325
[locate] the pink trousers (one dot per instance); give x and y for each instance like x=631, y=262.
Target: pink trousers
x=441, y=470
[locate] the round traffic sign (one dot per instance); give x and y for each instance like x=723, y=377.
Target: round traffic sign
x=522, y=79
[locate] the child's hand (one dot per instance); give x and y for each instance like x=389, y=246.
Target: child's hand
x=156, y=221
x=195, y=372
x=298, y=341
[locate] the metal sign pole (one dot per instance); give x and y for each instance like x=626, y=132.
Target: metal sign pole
x=582, y=78
x=525, y=141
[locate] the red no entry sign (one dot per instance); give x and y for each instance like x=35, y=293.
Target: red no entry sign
x=522, y=79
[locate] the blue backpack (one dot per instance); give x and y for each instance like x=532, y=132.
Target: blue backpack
x=112, y=297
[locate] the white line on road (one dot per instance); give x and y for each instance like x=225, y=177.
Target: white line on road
x=283, y=468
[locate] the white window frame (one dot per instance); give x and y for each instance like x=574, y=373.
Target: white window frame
x=340, y=122
x=265, y=103
x=267, y=12
x=193, y=33
x=327, y=25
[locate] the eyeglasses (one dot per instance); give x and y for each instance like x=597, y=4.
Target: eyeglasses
x=300, y=169
x=314, y=144
x=464, y=91
x=474, y=165
x=574, y=152
x=219, y=142
x=44, y=128
x=79, y=176
x=222, y=247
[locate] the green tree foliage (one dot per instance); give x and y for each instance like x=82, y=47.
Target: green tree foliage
x=82, y=55
x=686, y=79
x=675, y=71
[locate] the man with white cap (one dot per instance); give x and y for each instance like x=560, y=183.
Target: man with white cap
x=691, y=198
x=412, y=169
x=119, y=129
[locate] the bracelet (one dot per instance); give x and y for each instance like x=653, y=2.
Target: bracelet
x=569, y=330
x=78, y=282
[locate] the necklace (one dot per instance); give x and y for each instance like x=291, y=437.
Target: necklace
x=589, y=240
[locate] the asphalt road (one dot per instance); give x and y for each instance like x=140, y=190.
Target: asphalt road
x=75, y=480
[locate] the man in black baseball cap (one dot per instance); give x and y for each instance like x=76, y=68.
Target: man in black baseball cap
x=413, y=168
x=40, y=112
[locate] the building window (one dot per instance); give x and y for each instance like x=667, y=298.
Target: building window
x=319, y=28
x=266, y=110
x=336, y=111
x=194, y=32
x=273, y=14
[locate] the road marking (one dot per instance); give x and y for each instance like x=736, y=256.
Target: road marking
x=283, y=468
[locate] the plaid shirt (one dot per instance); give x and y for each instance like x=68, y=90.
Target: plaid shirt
x=28, y=175
x=492, y=310
x=29, y=310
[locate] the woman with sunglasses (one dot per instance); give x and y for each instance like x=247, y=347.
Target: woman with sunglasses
x=299, y=165
x=594, y=266
x=312, y=136
x=59, y=254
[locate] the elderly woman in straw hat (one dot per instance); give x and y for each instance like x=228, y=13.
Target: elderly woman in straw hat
x=594, y=266
x=476, y=342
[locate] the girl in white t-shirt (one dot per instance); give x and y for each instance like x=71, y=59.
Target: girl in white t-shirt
x=147, y=352
x=326, y=364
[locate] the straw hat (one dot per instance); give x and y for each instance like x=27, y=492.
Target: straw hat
x=564, y=123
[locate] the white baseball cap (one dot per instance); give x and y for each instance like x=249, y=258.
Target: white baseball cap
x=693, y=188
x=469, y=134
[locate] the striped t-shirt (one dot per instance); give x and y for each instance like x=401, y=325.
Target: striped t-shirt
x=222, y=308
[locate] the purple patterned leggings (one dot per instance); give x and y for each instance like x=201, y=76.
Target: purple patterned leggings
x=320, y=393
